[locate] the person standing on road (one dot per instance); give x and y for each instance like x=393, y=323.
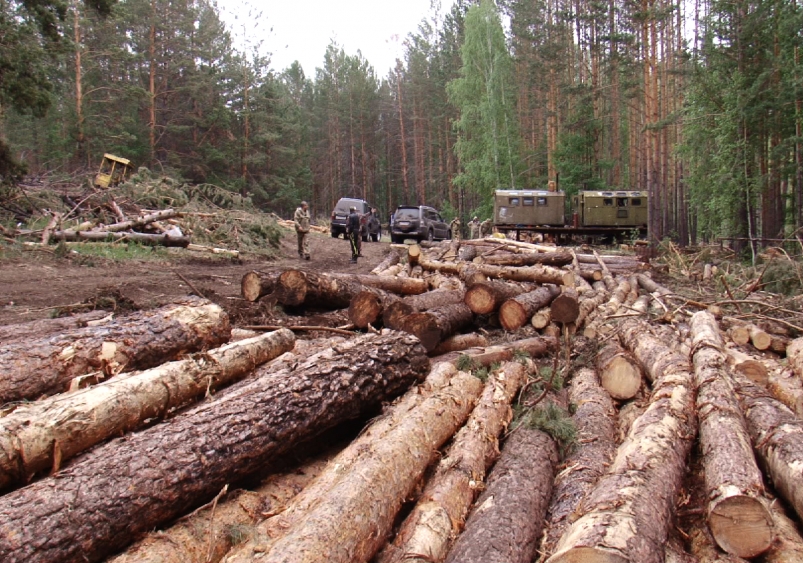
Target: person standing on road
x=474, y=228
x=455, y=227
x=353, y=233
x=301, y=220
x=486, y=228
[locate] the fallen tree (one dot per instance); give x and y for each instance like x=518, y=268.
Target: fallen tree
x=43, y=434
x=625, y=518
x=128, y=486
x=619, y=372
x=486, y=356
x=738, y=515
x=425, y=535
x=394, y=312
x=141, y=340
x=353, y=521
x=434, y=325
x=506, y=523
x=486, y=297
x=517, y=311
x=46, y=327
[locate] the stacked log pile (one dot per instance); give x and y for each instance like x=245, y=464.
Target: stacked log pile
x=434, y=356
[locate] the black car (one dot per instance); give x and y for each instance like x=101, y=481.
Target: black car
x=337, y=224
x=419, y=222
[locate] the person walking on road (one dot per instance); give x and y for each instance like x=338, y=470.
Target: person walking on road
x=301, y=220
x=353, y=233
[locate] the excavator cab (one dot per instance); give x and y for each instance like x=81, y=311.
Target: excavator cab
x=113, y=170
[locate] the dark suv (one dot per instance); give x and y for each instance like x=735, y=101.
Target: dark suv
x=418, y=222
x=340, y=213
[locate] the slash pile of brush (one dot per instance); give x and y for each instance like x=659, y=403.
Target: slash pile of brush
x=689, y=443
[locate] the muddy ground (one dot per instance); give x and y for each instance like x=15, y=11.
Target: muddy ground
x=40, y=285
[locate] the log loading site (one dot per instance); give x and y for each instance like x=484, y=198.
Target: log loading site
x=480, y=400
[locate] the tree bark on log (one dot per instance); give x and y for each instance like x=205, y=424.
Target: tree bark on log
x=594, y=419
x=517, y=311
x=788, y=545
x=754, y=369
x=93, y=236
x=460, y=342
x=256, y=285
x=130, y=485
x=619, y=373
x=535, y=274
x=786, y=386
x=486, y=297
x=353, y=521
x=140, y=340
x=777, y=436
x=626, y=516
x=46, y=327
x=44, y=434
x=541, y=318
x=394, y=312
x=427, y=532
x=738, y=515
x=565, y=307
x=554, y=259
x=794, y=355
x=391, y=259
x=393, y=284
x=486, y=356
x=506, y=523
x=268, y=531
x=207, y=535
x=299, y=287
x=139, y=221
x=434, y=325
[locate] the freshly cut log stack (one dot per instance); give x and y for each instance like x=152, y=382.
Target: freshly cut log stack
x=34, y=367
x=129, y=485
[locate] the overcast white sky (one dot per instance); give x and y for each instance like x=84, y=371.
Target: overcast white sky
x=301, y=29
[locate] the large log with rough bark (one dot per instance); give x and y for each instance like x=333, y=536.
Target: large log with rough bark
x=626, y=516
x=554, y=259
x=44, y=434
x=486, y=297
x=164, y=239
x=508, y=517
x=794, y=355
x=144, y=339
x=352, y=522
x=394, y=312
x=460, y=342
x=595, y=420
x=130, y=485
x=738, y=515
x=777, y=436
x=367, y=307
x=534, y=347
x=393, y=284
x=391, y=259
x=299, y=287
x=535, y=274
x=619, y=372
x=46, y=327
x=434, y=325
x=788, y=545
x=565, y=308
x=427, y=532
x=517, y=311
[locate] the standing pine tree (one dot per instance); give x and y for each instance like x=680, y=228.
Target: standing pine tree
x=488, y=143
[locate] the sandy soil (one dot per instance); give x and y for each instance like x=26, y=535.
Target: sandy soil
x=42, y=286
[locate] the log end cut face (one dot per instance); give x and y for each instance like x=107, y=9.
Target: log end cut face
x=742, y=526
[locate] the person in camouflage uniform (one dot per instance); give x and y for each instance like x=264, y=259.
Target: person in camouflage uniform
x=455, y=227
x=302, y=225
x=474, y=228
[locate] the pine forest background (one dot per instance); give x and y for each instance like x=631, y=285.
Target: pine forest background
x=700, y=102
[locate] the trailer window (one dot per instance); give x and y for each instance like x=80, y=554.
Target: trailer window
x=513, y=201
x=542, y=202
x=528, y=202
x=635, y=202
x=607, y=201
x=621, y=202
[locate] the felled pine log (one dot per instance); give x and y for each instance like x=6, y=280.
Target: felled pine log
x=506, y=523
x=427, y=532
x=335, y=291
x=595, y=420
x=43, y=434
x=777, y=437
x=486, y=297
x=352, y=522
x=517, y=311
x=627, y=514
x=565, y=308
x=737, y=511
x=794, y=355
x=459, y=342
x=434, y=325
x=488, y=355
x=535, y=274
x=163, y=239
x=129, y=486
x=256, y=285
x=619, y=372
x=139, y=221
x=45, y=366
x=394, y=312
x=367, y=307
x=391, y=259
x=45, y=327
x=555, y=259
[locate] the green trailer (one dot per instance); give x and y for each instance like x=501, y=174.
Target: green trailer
x=610, y=209
x=515, y=209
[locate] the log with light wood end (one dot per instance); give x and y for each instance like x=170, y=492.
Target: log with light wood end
x=619, y=372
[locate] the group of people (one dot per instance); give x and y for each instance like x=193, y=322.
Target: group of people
x=356, y=224
x=477, y=229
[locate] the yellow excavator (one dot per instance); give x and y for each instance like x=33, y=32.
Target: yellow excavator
x=113, y=170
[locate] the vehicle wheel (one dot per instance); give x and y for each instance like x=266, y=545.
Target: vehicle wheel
x=430, y=235
x=334, y=233
x=365, y=238
x=375, y=237
x=395, y=239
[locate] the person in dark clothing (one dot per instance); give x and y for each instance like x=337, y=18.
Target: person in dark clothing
x=353, y=233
